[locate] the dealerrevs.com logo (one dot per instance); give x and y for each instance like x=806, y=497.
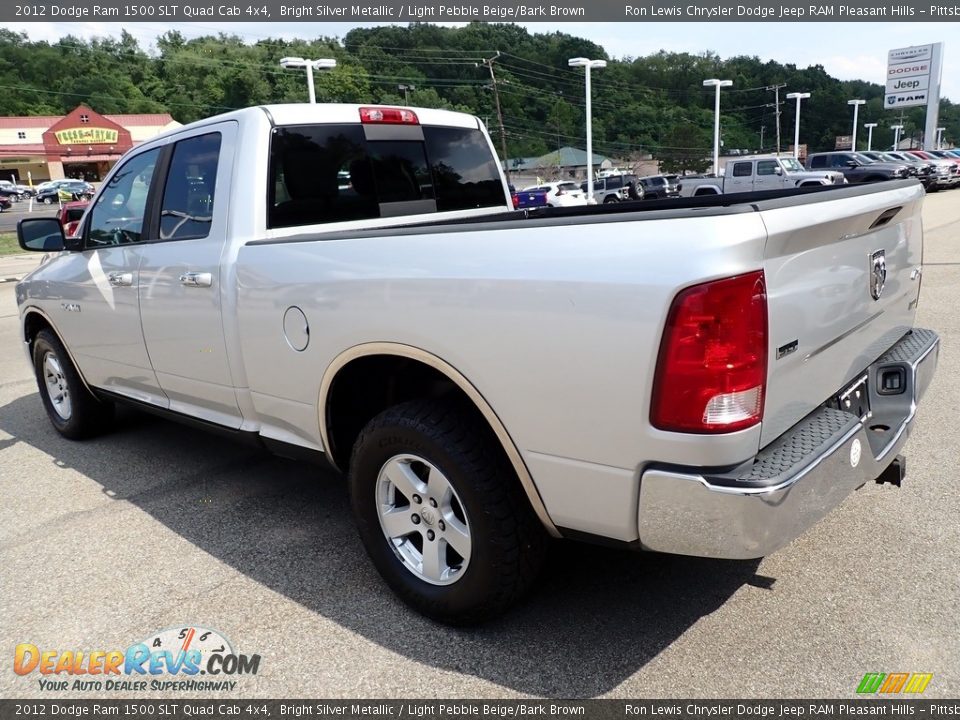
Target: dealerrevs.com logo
x=176, y=659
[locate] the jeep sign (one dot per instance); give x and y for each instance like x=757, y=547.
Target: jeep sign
x=907, y=85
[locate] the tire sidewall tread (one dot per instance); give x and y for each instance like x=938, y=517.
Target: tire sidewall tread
x=507, y=541
x=89, y=416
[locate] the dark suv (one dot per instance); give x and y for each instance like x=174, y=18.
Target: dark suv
x=78, y=189
x=658, y=187
x=857, y=167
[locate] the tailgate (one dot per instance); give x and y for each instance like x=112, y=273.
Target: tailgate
x=843, y=278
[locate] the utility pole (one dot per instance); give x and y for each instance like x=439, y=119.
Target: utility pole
x=496, y=97
x=557, y=109
x=762, y=128
x=776, y=104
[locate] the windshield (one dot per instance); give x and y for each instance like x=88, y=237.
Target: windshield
x=791, y=165
x=568, y=186
x=890, y=157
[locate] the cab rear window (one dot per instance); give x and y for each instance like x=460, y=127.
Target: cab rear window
x=334, y=173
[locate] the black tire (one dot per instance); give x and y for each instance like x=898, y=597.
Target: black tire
x=87, y=416
x=610, y=199
x=47, y=200
x=508, y=543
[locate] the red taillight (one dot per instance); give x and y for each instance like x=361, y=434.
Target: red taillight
x=388, y=116
x=516, y=200
x=712, y=368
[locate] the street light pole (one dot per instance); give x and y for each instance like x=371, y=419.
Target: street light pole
x=716, y=120
x=295, y=63
x=587, y=65
x=405, y=89
x=796, y=125
x=856, y=108
x=896, y=136
x=869, y=127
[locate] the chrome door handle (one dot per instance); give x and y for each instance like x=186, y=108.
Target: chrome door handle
x=120, y=279
x=196, y=279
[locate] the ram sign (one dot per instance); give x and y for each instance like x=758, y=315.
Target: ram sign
x=909, y=73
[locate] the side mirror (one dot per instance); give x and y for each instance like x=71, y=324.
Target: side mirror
x=41, y=235
x=852, y=163
x=778, y=170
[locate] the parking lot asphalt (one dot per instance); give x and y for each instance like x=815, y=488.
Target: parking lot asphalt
x=18, y=210
x=157, y=526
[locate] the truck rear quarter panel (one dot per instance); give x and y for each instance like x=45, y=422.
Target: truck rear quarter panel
x=556, y=325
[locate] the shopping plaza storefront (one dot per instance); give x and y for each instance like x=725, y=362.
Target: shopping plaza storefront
x=82, y=144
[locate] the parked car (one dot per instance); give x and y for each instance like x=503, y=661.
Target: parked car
x=561, y=194
x=949, y=164
x=857, y=167
x=659, y=187
x=689, y=384
x=10, y=191
x=925, y=171
x=70, y=215
x=5, y=203
x=765, y=172
x=527, y=199
x=613, y=188
x=78, y=189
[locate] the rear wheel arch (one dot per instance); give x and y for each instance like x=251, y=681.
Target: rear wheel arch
x=706, y=190
x=367, y=379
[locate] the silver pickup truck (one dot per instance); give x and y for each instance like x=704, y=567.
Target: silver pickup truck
x=705, y=376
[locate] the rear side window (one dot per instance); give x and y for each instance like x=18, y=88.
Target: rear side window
x=319, y=174
x=187, y=209
x=819, y=161
x=332, y=173
x=742, y=169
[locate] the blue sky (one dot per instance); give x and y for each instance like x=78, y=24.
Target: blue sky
x=847, y=50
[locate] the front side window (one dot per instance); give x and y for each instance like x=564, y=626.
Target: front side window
x=118, y=217
x=767, y=167
x=819, y=161
x=742, y=169
x=186, y=212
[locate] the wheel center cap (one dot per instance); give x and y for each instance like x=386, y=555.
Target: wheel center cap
x=429, y=517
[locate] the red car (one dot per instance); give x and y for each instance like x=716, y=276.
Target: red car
x=70, y=214
x=5, y=203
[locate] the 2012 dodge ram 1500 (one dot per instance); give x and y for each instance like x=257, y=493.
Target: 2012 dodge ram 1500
x=706, y=376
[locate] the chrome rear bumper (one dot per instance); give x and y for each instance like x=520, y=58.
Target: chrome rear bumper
x=762, y=505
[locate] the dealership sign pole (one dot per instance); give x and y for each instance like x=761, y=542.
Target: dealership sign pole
x=913, y=79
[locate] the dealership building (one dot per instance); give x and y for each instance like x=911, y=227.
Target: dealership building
x=82, y=144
